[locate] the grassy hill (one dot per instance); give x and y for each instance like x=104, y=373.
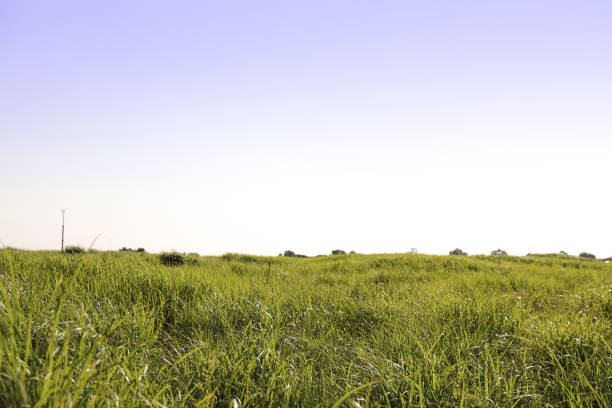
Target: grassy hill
x=403, y=330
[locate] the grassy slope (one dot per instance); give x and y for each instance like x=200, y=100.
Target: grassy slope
x=119, y=329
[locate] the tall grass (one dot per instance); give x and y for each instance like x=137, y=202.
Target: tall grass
x=122, y=330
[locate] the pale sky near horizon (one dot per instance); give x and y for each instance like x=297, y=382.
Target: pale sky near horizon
x=262, y=126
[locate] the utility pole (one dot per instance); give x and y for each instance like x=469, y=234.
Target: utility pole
x=63, y=212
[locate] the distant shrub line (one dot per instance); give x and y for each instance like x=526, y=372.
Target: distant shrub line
x=176, y=258
x=292, y=254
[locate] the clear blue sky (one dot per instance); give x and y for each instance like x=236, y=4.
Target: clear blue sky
x=257, y=126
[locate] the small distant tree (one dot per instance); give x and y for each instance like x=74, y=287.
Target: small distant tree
x=73, y=249
x=338, y=252
x=140, y=250
x=172, y=258
x=498, y=252
x=457, y=251
x=292, y=254
x=587, y=255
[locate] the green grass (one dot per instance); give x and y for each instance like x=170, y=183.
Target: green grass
x=112, y=329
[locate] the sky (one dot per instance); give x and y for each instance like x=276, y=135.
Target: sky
x=264, y=126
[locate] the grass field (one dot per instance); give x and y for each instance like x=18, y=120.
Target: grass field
x=114, y=329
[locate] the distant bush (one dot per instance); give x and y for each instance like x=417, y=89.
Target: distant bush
x=126, y=249
x=498, y=252
x=74, y=250
x=338, y=252
x=457, y=251
x=293, y=254
x=587, y=255
x=172, y=258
